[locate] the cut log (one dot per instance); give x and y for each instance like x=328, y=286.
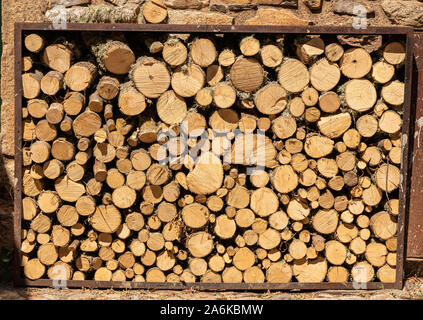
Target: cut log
x=338, y=274
x=226, y=58
x=57, y=56
x=31, y=84
x=225, y=227
x=69, y=190
x=393, y=93
x=284, y=126
x=224, y=96
x=187, y=81
x=203, y=52
x=362, y=272
x=48, y=201
x=34, y=269
x=386, y=273
x=310, y=96
x=279, y=272
x=334, y=51
x=34, y=42
x=317, y=146
x=27, y=63
x=372, y=195
x=284, y=179
x=123, y=197
x=73, y=103
x=195, y=215
x=271, y=99
x=293, y=75
x=334, y=126
x=324, y=75
x=55, y=113
x=106, y=219
x=360, y=94
x=238, y=197
x=297, y=249
x=271, y=55
x=329, y=102
x=80, y=76
x=150, y=77
x=112, y=53
x=174, y=52
x=204, y=97
x=154, y=11
x=382, y=72
x=264, y=202
x=390, y=122
x=367, y=125
x=383, y=225
x=52, y=82
x=269, y=239
x=335, y=252
x=200, y=244
x=310, y=270
x=376, y=254
x=108, y=87
x=355, y=63
x=86, y=124
x=244, y=259
x=95, y=102
x=247, y=74
x=296, y=107
x=394, y=53
x=208, y=168
x=325, y=221
x=388, y=177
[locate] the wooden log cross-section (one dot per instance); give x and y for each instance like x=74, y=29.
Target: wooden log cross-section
x=218, y=158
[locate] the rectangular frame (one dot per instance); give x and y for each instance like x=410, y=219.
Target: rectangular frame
x=404, y=195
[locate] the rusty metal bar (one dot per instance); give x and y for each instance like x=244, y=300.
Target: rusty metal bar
x=415, y=219
x=406, y=32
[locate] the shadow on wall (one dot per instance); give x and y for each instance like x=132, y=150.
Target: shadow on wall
x=6, y=210
x=6, y=224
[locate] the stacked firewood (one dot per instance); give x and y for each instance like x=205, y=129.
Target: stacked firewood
x=219, y=158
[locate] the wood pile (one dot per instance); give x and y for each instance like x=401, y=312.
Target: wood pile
x=224, y=158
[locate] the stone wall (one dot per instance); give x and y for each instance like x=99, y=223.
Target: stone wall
x=250, y=12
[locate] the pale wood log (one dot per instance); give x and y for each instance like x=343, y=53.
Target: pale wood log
x=174, y=52
x=31, y=84
x=334, y=51
x=355, y=63
x=80, y=75
x=394, y=53
x=154, y=11
x=34, y=42
x=324, y=75
x=334, y=126
x=224, y=96
x=329, y=102
x=188, y=80
x=293, y=75
x=200, y=244
x=382, y=72
x=363, y=101
x=310, y=270
x=271, y=55
x=247, y=74
x=203, y=52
